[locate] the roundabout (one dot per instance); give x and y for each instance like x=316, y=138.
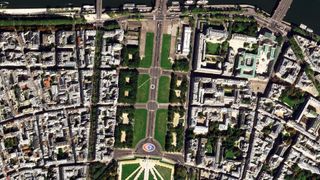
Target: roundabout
x=148, y=147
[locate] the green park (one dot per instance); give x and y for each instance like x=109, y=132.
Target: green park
x=165, y=52
x=143, y=88
x=164, y=89
x=147, y=60
x=161, y=126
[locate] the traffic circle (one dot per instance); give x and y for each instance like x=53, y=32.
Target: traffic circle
x=148, y=147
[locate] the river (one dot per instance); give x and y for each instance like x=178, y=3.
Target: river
x=62, y=3
x=301, y=11
x=266, y=5
x=306, y=12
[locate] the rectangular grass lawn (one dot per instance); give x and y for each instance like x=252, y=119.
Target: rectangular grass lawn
x=212, y=48
x=140, y=125
x=143, y=88
x=148, y=52
x=292, y=98
x=161, y=126
x=128, y=169
x=98, y=171
x=164, y=172
x=164, y=89
x=165, y=51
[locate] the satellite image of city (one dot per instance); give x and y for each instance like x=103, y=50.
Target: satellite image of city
x=160, y=90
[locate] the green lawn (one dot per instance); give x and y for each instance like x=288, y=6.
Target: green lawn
x=140, y=125
x=147, y=60
x=151, y=177
x=164, y=172
x=143, y=88
x=292, y=97
x=164, y=89
x=128, y=169
x=161, y=126
x=165, y=52
x=141, y=177
x=290, y=101
x=212, y=48
x=229, y=154
x=100, y=172
x=133, y=176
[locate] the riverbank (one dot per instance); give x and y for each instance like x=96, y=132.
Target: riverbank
x=70, y=3
x=296, y=14
x=34, y=11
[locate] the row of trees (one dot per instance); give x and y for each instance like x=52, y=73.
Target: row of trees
x=39, y=20
x=312, y=76
x=128, y=82
x=307, y=34
x=130, y=56
x=181, y=65
x=178, y=130
x=99, y=171
x=124, y=109
x=247, y=28
x=296, y=48
x=182, y=172
x=111, y=25
x=179, y=98
x=128, y=128
x=300, y=54
x=95, y=95
x=183, y=88
x=213, y=11
x=222, y=18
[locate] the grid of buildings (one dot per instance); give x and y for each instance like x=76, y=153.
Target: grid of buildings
x=236, y=128
x=45, y=102
x=218, y=106
x=254, y=112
